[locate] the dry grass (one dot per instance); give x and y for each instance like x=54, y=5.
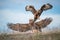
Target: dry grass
x=36, y=36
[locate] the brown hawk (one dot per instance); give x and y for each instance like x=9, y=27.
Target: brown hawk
x=25, y=27
x=37, y=13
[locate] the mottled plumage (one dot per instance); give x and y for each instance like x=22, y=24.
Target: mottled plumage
x=32, y=24
x=25, y=27
x=37, y=13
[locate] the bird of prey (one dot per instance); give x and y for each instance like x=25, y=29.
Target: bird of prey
x=25, y=27
x=32, y=24
x=37, y=13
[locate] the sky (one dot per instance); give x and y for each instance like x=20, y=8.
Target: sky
x=13, y=11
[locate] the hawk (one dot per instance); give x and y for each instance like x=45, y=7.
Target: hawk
x=25, y=27
x=37, y=13
x=32, y=24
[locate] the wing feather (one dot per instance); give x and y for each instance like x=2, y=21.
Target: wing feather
x=44, y=23
x=19, y=27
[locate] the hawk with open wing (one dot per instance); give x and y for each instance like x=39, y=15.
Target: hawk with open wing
x=25, y=27
x=37, y=13
x=38, y=25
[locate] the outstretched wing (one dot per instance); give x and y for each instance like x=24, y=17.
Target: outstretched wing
x=46, y=6
x=19, y=27
x=30, y=8
x=44, y=23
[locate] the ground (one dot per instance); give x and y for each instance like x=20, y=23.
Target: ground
x=30, y=36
